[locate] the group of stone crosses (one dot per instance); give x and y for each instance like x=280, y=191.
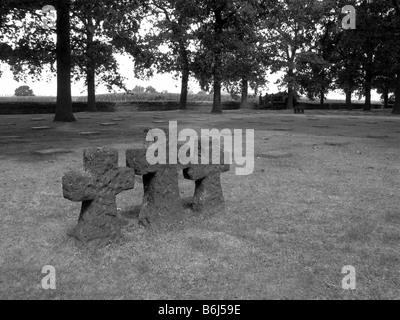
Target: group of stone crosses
x=101, y=180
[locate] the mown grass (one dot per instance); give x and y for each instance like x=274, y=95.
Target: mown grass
x=286, y=233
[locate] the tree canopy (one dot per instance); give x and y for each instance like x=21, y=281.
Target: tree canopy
x=223, y=44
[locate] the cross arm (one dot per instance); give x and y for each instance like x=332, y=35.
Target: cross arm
x=77, y=186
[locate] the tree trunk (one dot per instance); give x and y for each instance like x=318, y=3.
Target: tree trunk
x=396, y=108
x=185, y=77
x=91, y=68
x=245, y=93
x=64, y=100
x=368, y=88
x=91, y=88
x=217, y=106
x=322, y=97
x=184, y=89
x=386, y=98
x=348, y=98
x=290, y=102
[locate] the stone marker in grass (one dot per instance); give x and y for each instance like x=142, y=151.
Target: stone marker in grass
x=275, y=155
x=320, y=126
x=117, y=119
x=89, y=133
x=108, y=124
x=7, y=124
x=37, y=119
x=161, y=200
x=49, y=152
x=337, y=144
x=41, y=128
x=97, y=186
x=208, y=193
x=282, y=129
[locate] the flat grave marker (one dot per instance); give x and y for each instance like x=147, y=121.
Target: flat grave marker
x=89, y=133
x=275, y=155
x=377, y=137
x=41, y=128
x=108, y=124
x=337, y=144
x=49, y=152
x=282, y=129
x=38, y=119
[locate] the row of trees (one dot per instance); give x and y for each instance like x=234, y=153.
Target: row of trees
x=221, y=43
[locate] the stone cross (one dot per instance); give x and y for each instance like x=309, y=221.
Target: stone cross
x=96, y=187
x=161, y=200
x=208, y=193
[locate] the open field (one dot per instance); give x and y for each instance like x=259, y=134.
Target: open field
x=324, y=194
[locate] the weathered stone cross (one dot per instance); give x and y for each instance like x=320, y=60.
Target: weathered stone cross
x=208, y=195
x=97, y=186
x=161, y=200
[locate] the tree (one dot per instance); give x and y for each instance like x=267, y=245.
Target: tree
x=24, y=91
x=17, y=26
x=138, y=89
x=292, y=29
x=95, y=26
x=396, y=24
x=315, y=68
x=313, y=75
x=248, y=57
x=150, y=89
x=87, y=57
x=222, y=34
x=173, y=30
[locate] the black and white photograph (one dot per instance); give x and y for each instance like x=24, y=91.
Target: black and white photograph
x=200, y=154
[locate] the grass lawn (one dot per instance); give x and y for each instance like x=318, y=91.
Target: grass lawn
x=325, y=194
